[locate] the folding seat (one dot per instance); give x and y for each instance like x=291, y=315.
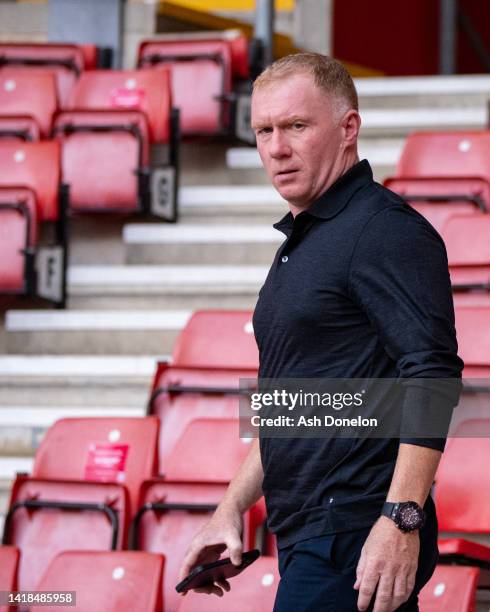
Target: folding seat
x=214, y=351
x=9, y=561
x=112, y=119
x=170, y=515
x=28, y=95
x=461, y=495
x=83, y=489
x=254, y=590
x=203, y=67
x=32, y=194
x=451, y=589
x=445, y=173
x=65, y=61
x=109, y=581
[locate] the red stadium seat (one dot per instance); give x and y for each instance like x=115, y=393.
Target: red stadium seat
x=35, y=168
x=451, y=589
x=445, y=173
x=18, y=239
x=254, y=590
x=209, y=450
x=114, y=116
x=9, y=561
x=468, y=247
x=171, y=513
x=109, y=581
x=217, y=339
x=92, y=467
x=473, y=329
x=29, y=94
x=461, y=493
x=67, y=62
x=201, y=79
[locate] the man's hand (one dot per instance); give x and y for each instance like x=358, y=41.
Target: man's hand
x=222, y=532
x=389, y=560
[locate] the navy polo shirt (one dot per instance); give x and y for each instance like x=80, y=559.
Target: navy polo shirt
x=359, y=289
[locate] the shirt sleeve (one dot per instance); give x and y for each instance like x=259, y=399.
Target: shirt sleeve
x=399, y=276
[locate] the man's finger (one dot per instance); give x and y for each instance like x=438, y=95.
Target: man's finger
x=400, y=591
x=224, y=584
x=212, y=589
x=384, y=594
x=367, y=587
x=360, y=570
x=234, y=546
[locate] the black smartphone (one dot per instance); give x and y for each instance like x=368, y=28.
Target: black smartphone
x=209, y=573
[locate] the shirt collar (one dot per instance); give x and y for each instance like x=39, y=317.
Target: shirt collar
x=337, y=196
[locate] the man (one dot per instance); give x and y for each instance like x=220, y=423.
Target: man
x=360, y=289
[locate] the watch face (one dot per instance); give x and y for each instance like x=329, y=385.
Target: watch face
x=410, y=516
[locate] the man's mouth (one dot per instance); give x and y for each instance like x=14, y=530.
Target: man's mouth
x=286, y=172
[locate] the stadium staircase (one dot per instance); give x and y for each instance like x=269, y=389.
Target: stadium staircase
x=133, y=285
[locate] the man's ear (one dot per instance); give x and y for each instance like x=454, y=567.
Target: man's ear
x=351, y=124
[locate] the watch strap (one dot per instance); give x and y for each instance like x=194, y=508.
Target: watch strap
x=389, y=509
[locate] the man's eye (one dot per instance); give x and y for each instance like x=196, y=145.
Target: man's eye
x=298, y=126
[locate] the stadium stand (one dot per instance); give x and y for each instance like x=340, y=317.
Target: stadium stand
x=170, y=515
x=451, y=589
x=112, y=119
x=444, y=173
x=19, y=127
x=252, y=591
x=31, y=194
x=9, y=561
x=204, y=68
x=27, y=95
x=117, y=581
x=83, y=489
x=67, y=62
x=472, y=326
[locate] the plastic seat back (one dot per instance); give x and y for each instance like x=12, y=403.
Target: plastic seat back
x=146, y=91
x=35, y=165
x=19, y=127
x=463, y=480
x=109, y=581
x=252, y=591
x=119, y=450
x=65, y=61
x=468, y=247
x=18, y=232
x=218, y=339
x=209, y=450
x=451, y=588
x=473, y=329
x=9, y=561
x=171, y=514
x=201, y=79
x=29, y=94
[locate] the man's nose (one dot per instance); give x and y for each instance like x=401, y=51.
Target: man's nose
x=279, y=145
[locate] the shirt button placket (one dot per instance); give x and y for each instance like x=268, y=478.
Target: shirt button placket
x=284, y=258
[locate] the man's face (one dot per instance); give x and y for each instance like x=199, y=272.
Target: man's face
x=298, y=137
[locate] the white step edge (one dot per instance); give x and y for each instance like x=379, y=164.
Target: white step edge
x=9, y=466
x=74, y=365
x=383, y=155
x=227, y=195
x=414, y=86
x=417, y=118
x=143, y=233
x=85, y=320
x=110, y=276
x=20, y=416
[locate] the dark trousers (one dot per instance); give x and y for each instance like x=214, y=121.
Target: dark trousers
x=317, y=575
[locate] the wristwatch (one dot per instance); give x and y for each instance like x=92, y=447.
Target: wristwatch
x=407, y=516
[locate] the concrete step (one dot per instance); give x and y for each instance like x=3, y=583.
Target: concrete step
x=75, y=382
x=92, y=332
x=180, y=287
x=381, y=153
x=411, y=92
x=198, y=244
